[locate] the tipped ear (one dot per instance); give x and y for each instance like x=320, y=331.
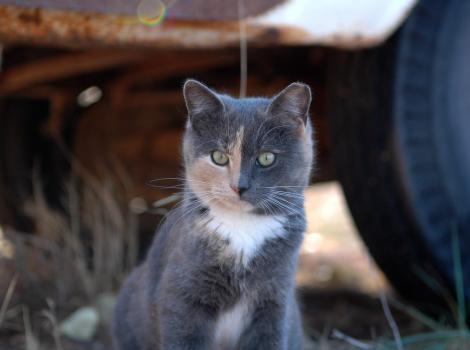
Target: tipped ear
x=294, y=100
x=200, y=99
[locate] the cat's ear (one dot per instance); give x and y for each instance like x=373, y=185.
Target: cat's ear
x=294, y=100
x=200, y=99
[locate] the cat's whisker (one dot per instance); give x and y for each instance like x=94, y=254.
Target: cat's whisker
x=183, y=181
x=221, y=194
x=283, y=194
x=270, y=210
x=289, y=202
x=265, y=208
x=277, y=204
x=284, y=204
x=289, y=194
x=283, y=186
x=168, y=187
x=271, y=206
x=294, y=201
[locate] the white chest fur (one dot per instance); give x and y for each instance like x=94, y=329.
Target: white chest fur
x=246, y=232
x=230, y=325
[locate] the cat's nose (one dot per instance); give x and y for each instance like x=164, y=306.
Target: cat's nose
x=242, y=189
x=235, y=189
x=239, y=189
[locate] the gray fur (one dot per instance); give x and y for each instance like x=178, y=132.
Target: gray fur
x=173, y=300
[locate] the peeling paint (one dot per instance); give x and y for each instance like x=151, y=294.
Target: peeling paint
x=343, y=23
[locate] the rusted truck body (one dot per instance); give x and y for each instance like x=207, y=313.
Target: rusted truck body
x=99, y=82
x=201, y=23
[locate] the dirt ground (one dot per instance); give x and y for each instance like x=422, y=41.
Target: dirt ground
x=339, y=283
x=333, y=255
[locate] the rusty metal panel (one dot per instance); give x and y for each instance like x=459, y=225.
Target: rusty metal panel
x=75, y=29
x=177, y=9
x=339, y=23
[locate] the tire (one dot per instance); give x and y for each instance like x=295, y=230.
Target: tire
x=400, y=119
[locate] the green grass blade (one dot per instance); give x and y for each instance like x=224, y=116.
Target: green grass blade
x=458, y=276
x=418, y=315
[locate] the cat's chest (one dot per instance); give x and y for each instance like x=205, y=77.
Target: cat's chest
x=243, y=233
x=231, y=323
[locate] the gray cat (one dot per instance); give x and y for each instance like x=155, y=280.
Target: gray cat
x=220, y=272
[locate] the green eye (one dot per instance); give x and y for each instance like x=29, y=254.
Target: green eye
x=219, y=158
x=266, y=159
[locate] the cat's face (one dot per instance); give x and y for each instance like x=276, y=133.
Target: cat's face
x=250, y=155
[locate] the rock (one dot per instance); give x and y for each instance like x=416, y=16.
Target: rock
x=81, y=325
x=105, y=307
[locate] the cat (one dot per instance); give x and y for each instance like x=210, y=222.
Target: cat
x=220, y=273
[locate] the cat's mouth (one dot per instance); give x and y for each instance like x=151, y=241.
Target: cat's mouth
x=219, y=196
x=231, y=202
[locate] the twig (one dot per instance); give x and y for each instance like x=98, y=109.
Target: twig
x=51, y=317
x=350, y=340
x=391, y=321
x=243, y=48
x=7, y=299
x=31, y=341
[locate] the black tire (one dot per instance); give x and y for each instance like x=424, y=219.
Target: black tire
x=400, y=119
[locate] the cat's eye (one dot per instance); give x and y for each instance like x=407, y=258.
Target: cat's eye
x=219, y=158
x=266, y=159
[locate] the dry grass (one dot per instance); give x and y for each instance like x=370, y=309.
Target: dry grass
x=78, y=252
x=85, y=248
x=7, y=299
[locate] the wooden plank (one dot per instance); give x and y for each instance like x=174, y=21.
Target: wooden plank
x=63, y=66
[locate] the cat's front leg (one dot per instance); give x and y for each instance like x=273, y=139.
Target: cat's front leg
x=185, y=330
x=268, y=330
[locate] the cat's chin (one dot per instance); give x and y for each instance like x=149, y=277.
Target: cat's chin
x=235, y=205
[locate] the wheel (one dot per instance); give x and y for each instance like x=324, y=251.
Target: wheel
x=400, y=119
